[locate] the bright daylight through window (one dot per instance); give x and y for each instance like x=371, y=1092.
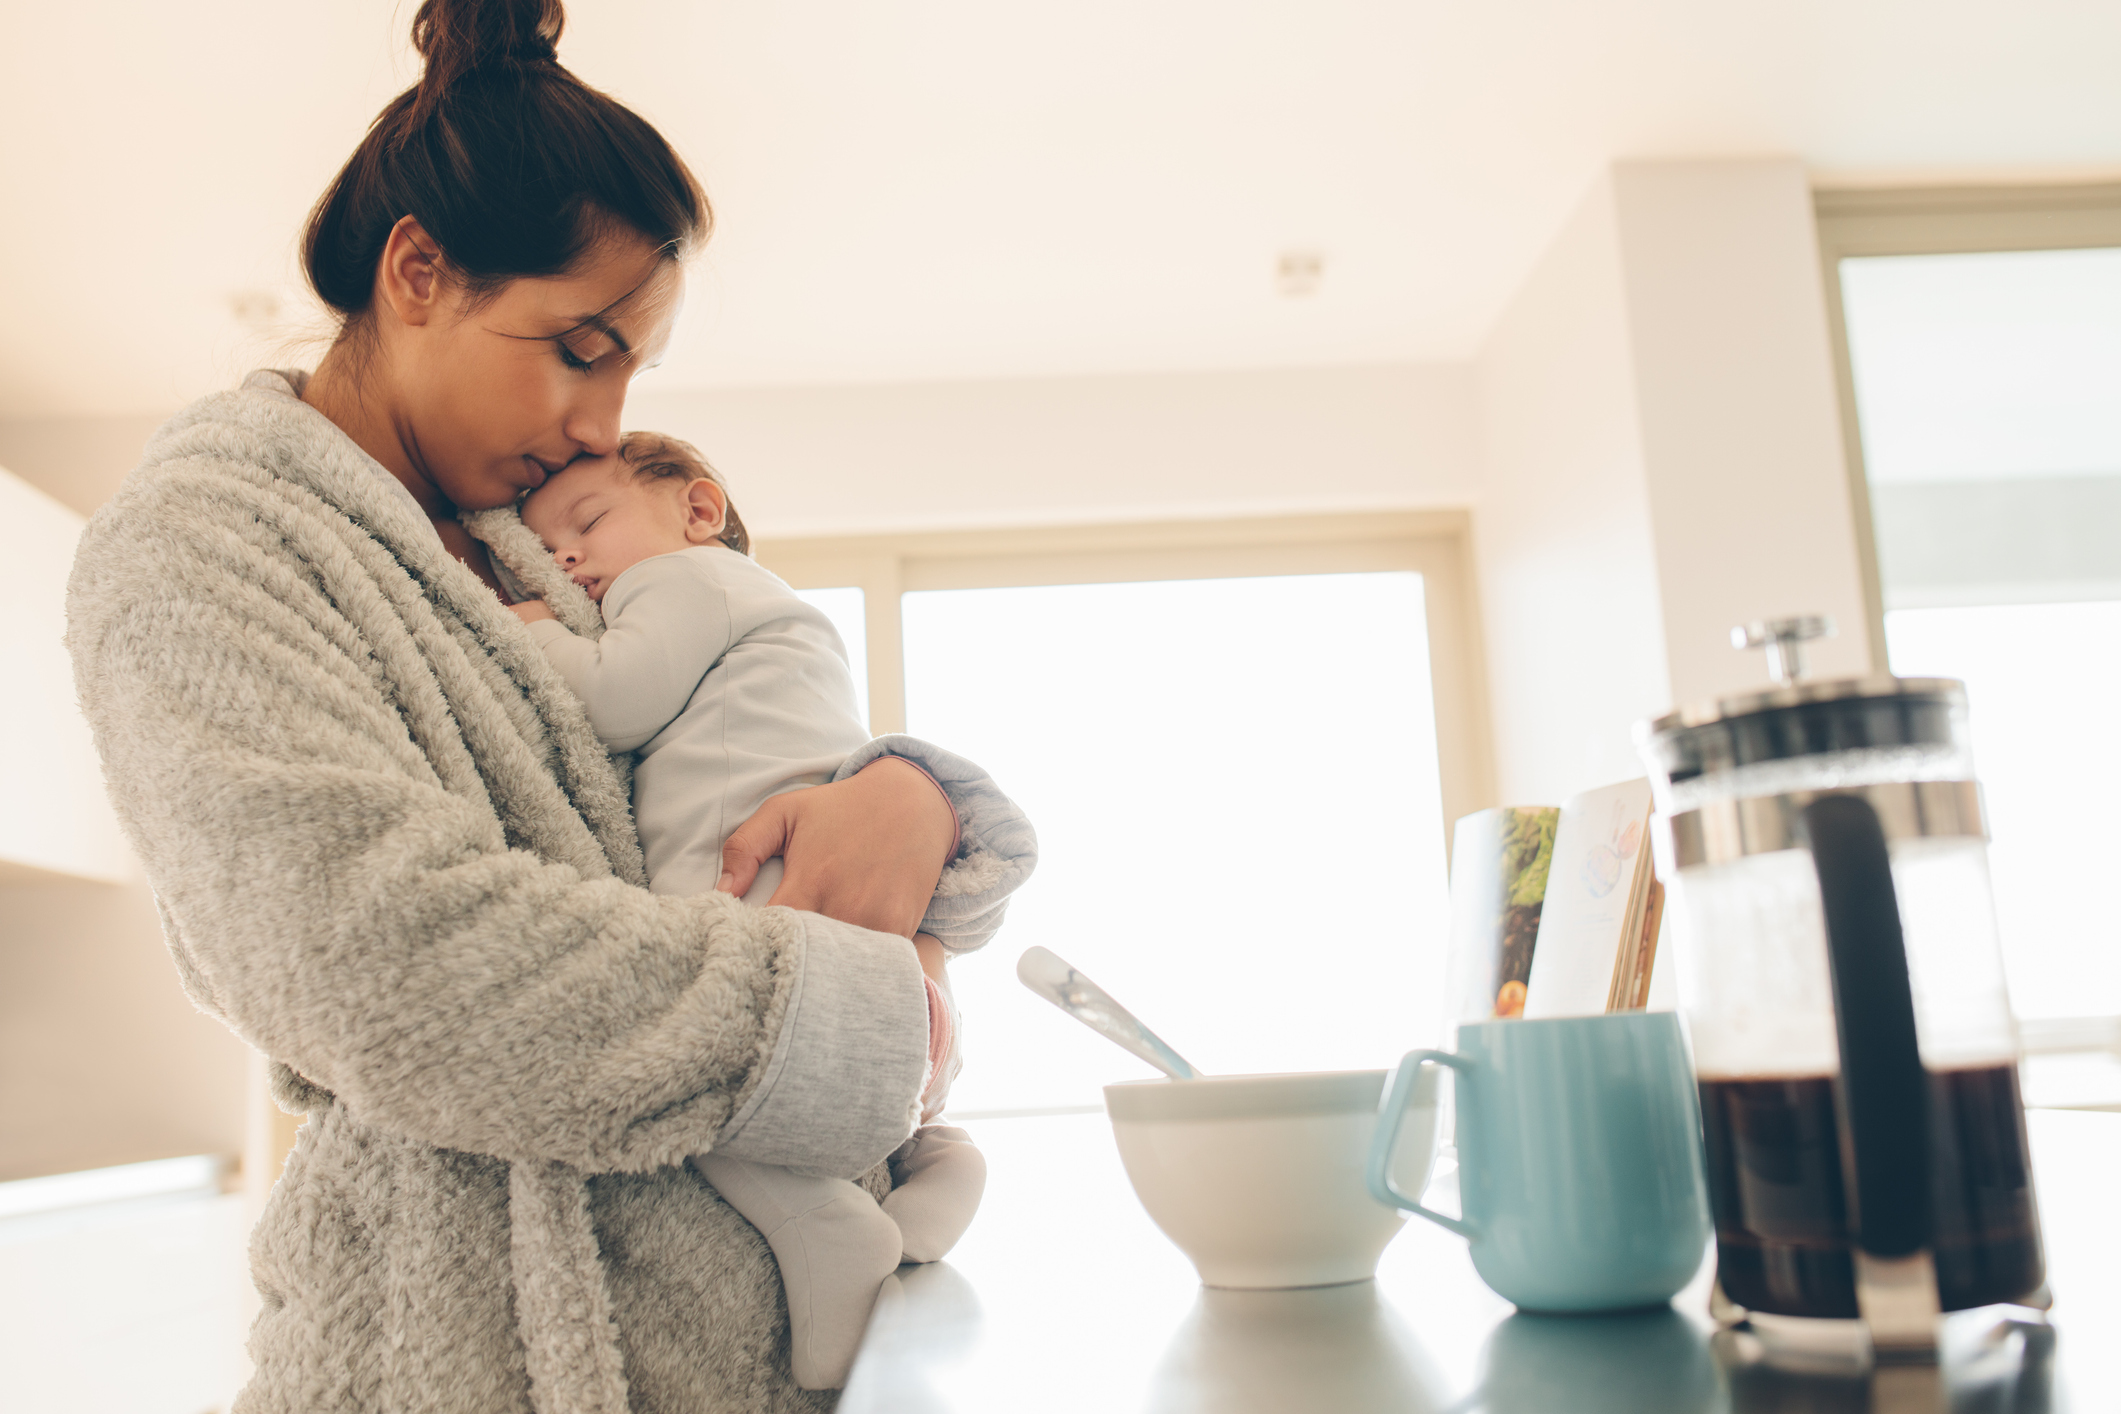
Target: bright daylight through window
x=1235, y=786
x=1988, y=389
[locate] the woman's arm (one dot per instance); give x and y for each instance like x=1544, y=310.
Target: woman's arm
x=867, y=849
x=866, y=844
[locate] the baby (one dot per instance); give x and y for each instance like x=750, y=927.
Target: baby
x=733, y=689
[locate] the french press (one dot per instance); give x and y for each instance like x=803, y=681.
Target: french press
x=1825, y=856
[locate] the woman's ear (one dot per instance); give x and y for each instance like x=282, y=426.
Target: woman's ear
x=409, y=276
x=706, y=511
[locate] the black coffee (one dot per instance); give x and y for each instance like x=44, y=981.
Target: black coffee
x=1775, y=1181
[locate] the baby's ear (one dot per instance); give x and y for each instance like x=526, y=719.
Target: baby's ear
x=706, y=510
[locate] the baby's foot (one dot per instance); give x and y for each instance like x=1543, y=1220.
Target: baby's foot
x=833, y=1258
x=940, y=1177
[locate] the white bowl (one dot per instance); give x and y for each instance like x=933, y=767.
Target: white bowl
x=1259, y=1178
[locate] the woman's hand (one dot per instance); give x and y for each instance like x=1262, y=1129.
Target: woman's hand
x=866, y=850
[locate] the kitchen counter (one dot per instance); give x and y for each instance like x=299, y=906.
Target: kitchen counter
x=1064, y=1296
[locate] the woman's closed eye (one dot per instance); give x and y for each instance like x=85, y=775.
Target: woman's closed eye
x=572, y=359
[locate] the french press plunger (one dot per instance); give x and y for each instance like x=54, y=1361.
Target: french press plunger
x=1825, y=852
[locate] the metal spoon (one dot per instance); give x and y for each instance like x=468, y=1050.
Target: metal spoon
x=1052, y=978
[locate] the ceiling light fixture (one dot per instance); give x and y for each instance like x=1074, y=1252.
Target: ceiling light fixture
x=1298, y=273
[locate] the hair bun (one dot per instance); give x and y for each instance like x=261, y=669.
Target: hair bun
x=460, y=37
x=511, y=164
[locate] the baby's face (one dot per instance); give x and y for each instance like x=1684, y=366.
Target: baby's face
x=600, y=519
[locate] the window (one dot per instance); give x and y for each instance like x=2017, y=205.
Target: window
x=847, y=607
x=1981, y=355
x=1240, y=745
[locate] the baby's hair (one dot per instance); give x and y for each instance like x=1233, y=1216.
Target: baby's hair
x=653, y=454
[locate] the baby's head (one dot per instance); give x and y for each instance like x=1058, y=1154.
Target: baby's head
x=601, y=516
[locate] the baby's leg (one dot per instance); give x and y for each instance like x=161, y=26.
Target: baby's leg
x=940, y=1177
x=834, y=1246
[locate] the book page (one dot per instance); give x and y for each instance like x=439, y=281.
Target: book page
x=1594, y=893
x=1499, y=862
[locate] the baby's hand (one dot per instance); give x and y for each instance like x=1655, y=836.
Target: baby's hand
x=532, y=610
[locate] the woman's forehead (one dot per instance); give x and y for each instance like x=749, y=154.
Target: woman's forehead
x=624, y=288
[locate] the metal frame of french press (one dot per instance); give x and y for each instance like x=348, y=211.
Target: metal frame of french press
x=1881, y=1087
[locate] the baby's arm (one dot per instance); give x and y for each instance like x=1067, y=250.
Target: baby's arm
x=665, y=625
x=532, y=611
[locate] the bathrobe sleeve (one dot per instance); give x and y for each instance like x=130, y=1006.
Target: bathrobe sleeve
x=666, y=622
x=997, y=848
x=355, y=786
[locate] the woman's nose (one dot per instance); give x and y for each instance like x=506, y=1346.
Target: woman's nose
x=593, y=423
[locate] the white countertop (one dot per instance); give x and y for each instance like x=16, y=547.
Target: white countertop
x=1064, y=1296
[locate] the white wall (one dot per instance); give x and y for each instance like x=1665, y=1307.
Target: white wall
x=56, y=817
x=834, y=460
x=1661, y=460
x=926, y=456
x=102, y=1058
x=77, y=461
x=1561, y=532
x=1741, y=434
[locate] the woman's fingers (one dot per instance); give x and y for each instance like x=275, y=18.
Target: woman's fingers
x=866, y=850
x=754, y=842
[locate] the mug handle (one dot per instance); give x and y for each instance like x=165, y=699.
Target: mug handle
x=1391, y=1111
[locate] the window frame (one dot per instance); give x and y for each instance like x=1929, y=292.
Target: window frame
x=1434, y=544
x=1955, y=220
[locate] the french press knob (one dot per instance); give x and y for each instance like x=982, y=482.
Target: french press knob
x=1784, y=640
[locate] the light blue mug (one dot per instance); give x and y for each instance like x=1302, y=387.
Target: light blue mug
x=1579, y=1158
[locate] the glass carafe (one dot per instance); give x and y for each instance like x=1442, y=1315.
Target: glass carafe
x=1826, y=860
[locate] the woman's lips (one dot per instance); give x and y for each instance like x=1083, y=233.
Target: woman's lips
x=537, y=471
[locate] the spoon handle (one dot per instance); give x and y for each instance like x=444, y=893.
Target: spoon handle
x=1052, y=978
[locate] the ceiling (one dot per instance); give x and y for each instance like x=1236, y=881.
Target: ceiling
x=964, y=188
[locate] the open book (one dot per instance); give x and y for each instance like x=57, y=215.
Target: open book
x=1555, y=912
x=1499, y=863
x=1598, y=930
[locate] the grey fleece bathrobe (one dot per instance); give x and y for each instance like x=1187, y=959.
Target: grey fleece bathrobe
x=390, y=853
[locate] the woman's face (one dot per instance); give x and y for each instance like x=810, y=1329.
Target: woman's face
x=493, y=396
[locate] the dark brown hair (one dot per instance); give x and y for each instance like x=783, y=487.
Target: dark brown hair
x=651, y=454
x=512, y=164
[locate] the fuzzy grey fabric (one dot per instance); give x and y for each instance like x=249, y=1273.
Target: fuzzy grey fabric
x=390, y=853
x=528, y=570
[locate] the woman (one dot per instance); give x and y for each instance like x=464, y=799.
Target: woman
x=390, y=853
